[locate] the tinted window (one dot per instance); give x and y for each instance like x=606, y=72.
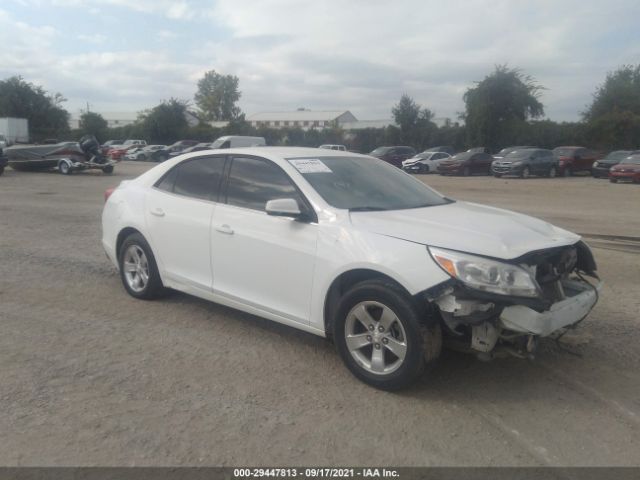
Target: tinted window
x=253, y=182
x=199, y=178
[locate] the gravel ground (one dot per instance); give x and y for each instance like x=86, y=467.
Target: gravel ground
x=90, y=376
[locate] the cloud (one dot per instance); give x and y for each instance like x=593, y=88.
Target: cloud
x=359, y=55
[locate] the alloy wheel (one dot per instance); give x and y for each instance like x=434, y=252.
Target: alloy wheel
x=375, y=337
x=136, y=268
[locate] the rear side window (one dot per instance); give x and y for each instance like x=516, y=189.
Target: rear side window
x=253, y=182
x=198, y=178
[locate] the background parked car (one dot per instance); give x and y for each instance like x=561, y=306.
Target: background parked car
x=442, y=148
x=574, y=159
x=479, y=150
x=526, y=162
x=601, y=168
x=628, y=170
x=196, y=148
x=164, y=153
x=334, y=147
x=466, y=163
x=393, y=155
x=507, y=150
x=145, y=153
x=425, y=162
x=109, y=144
x=132, y=153
x=119, y=151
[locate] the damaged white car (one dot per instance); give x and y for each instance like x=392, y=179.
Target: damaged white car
x=349, y=247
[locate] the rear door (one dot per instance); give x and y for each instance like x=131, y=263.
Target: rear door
x=178, y=212
x=260, y=260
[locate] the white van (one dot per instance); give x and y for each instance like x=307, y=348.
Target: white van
x=235, y=141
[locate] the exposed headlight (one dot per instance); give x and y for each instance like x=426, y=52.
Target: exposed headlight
x=485, y=274
x=595, y=164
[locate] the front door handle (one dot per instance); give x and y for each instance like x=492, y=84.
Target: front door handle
x=226, y=229
x=158, y=212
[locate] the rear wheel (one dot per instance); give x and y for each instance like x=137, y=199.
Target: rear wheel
x=380, y=336
x=138, y=269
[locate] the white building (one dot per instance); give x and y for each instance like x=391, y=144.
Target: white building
x=304, y=119
x=121, y=119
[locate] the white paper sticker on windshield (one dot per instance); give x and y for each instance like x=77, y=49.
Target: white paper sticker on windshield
x=310, y=165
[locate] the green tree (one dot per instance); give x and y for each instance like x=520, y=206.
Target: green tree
x=217, y=96
x=92, y=123
x=416, y=123
x=165, y=123
x=497, y=103
x=22, y=99
x=613, y=118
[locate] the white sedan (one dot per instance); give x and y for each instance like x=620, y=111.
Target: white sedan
x=349, y=247
x=425, y=162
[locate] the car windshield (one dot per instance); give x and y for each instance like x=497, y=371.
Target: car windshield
x=365, y=184
x=519, y=154
x=618, y=155
x=380, y=151
x=634, y=160
x=563, y=152
x=461, y=157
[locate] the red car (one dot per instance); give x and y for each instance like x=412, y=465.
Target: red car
x=466, y=163
x=120, y=151
x=628, y=170
x=574, y=159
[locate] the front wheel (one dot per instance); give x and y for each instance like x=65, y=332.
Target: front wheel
x=380, y=336
x=526, y=173
x=138, y=269
x=108, y=169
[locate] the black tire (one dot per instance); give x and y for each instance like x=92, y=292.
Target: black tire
x=154, y=288
x=163, y=158
x=423, y=343
x=526, y=173
x=497, y=175
x=140, y=157
x=108, y=169
x=1, y=170
x=552, y=173
x=613, y=180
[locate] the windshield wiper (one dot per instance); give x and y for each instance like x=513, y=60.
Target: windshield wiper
x=368, y=209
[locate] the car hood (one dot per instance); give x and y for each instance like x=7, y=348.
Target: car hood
x=467, y=227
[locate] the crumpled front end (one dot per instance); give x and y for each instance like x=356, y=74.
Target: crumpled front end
x=490, y=325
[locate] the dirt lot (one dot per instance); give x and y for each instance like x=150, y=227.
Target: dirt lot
x=90, y=376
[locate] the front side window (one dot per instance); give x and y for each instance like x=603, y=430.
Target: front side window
x=197, y=178
x=254, y=181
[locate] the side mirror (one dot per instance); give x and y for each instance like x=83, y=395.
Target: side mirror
x=283, y=207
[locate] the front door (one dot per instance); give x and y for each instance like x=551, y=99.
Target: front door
x=262, y=261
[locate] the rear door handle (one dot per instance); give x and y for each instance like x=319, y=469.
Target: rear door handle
x=158, y=212
x=226, y=229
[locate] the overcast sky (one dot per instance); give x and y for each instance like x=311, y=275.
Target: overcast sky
x=358, y=55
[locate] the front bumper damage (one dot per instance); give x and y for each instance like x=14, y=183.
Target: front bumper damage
x=493, y=325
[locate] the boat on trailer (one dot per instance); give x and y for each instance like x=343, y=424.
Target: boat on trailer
x=67, y=157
